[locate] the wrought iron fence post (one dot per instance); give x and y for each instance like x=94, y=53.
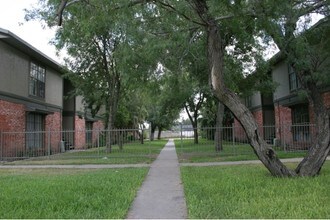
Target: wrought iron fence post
x=284, y=144
x=1, y=146
x=181, y=138
x=233, y=135
x=98, y=142
x=49, y=143
x=149, y=141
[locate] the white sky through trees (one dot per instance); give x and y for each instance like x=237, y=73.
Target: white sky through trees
x=12, y=19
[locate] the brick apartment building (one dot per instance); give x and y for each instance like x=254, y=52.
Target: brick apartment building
x=285, y=117
x=32, y=92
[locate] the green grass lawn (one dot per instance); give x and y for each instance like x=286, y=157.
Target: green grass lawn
x=131, y=153
x=250, y=192
x=68, y=193
x=204, y=151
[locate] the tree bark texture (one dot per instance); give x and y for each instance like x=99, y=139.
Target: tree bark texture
x=152, y=131
x=159, y=133
x=218, y=127
x=194, y=123
x=216, y=52
x=311, y=165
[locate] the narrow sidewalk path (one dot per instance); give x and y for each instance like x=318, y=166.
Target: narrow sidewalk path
x=80, y=166
x=161, y=195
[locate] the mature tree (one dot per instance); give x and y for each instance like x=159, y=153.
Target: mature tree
x=233, y=23
x=308, y=53
x=163, y=109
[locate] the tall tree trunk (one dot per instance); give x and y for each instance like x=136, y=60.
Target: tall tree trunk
x=195, y=133
x=152, y=131
x=193, y=120
x=109, y=127
x=218, y=127
x=216, y=50
x=159, y=133
x=141, y=134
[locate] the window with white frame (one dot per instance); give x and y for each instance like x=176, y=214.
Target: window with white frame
x=37, y=80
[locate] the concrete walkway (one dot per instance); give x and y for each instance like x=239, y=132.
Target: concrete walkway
x=161, y=195
x=81, y=166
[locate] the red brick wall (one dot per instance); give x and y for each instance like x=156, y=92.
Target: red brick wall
x=13, y=124
x=326, y=99
x=283, y=122
x=53, y=124
x=239, y=132
x=258, y=117
x=80, y=135
x=12, y=116
x=97, y=127
x=12, y=119
x=80, y=132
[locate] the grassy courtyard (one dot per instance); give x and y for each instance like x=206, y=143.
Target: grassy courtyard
x=250, y=192
x=68, y=193
x=239, y=191
x=131, y=153
x=204, y=151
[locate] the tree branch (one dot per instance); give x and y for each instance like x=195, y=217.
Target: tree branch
x=65, y=3
x=314, y=7
x=60, y=10
x=166, y=5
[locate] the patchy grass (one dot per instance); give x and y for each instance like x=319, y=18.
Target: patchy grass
x=68, y=193
x=132, y=153
x=204, y=151
x=250, y=192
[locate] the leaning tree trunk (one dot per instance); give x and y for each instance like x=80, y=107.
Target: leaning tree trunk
x=218, y=127
x=264, y=152
x=311, y=165
x=193, y=121
x=216, y=52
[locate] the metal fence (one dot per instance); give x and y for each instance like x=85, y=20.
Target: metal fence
x=233, y=140
x=135, y=142
x=73, y=144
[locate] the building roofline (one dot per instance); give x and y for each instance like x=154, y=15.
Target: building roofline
x=18, y=43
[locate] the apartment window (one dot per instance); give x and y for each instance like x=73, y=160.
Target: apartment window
x=300, y=114
x=248, y=101
x=294, y=82
x=35, y=126
x=300, y=121
x=37, y=80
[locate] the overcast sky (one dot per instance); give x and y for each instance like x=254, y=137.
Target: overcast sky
x=12, y=19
